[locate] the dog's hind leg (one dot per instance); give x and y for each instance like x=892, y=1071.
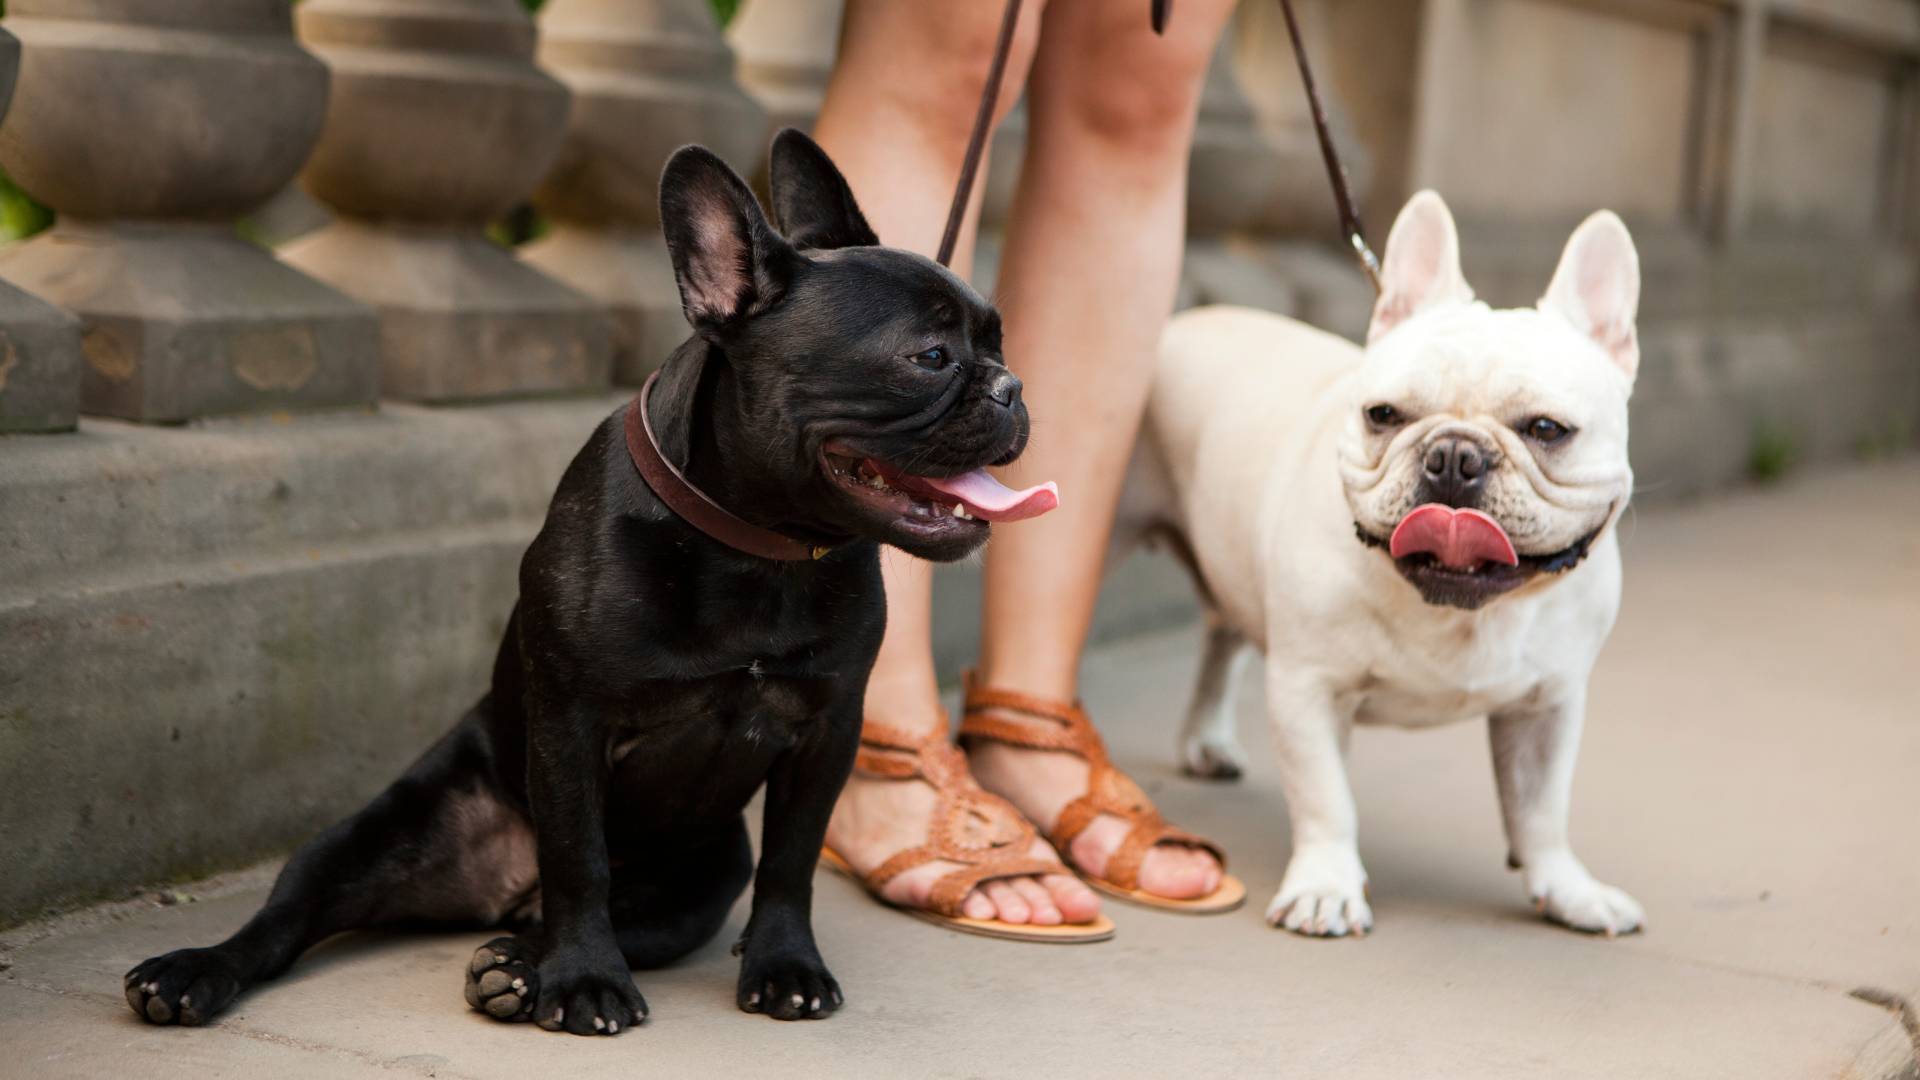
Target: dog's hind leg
x=1209, y=745
x=440, y=846
x=663, y=906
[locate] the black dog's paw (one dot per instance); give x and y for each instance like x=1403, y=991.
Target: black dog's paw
x=788, y=988
x=186, y=986
x=586, y=996
x=501, y=980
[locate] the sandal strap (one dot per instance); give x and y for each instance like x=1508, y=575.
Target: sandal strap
x=969, y=826
x=1067, y=727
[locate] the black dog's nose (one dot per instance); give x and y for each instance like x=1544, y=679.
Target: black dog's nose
x=1004, y=388
x=1455, y=471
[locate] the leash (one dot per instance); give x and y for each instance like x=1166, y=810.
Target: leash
x=1161, y=10
x=982, y=120
x=1350, y=226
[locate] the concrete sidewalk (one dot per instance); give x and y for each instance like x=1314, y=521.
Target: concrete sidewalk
x=1749, y=774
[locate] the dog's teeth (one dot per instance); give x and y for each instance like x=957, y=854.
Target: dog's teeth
x=960, y=511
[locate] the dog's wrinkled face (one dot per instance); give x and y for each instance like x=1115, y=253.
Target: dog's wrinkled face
x=865, y=389
x=1487, y=449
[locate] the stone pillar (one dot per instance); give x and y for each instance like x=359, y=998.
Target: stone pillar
x=439, y=122
x=39, y=343
x=149, y=126
x=648, y=76
x=786, y=52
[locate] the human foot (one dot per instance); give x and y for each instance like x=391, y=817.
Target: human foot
x=893, y=811
x=1046, y=774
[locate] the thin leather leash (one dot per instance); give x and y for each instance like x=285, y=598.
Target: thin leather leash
x=1350, y=227
x=696, y=507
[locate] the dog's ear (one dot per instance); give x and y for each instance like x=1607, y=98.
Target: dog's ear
x=1422, y=267
x=728, y=261
x=1597, y=287
x=812, y=203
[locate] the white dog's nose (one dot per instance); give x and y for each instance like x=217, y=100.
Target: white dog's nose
x=1455, y=470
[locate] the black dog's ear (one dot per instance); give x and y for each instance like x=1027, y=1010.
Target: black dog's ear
x=811, y=200
x=728, y=261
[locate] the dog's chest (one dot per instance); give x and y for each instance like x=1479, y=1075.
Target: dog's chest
x=703, y=746
x=1440, y=679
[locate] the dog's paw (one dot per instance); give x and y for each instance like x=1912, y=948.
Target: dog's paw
x=788, y=988
x=1213, y=759
x=1562, y=890
x=187, y=986
x=502, y=981
x=1324, y=894
x=584, y=995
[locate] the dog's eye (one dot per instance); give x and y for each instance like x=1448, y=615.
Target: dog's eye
x=1383, y=416
x=932, y=359
x=1545, y=429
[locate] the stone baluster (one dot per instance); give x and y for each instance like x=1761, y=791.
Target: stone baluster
x=648, y=76
x=439, y=122
x=786, y=50
x=149, y=126
x=39, y=343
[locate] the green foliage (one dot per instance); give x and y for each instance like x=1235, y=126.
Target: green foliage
x=20, y=215
x=1892, y=435
x=1774, y=451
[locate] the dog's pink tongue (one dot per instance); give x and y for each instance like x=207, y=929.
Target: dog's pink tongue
x=991, y=500
x=1459, y=539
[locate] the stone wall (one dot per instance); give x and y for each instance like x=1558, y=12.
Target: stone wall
x=259, y=549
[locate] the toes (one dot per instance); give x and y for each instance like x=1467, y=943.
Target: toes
x=1039, y=901
x=977, y=906
x=1007, y=902
x=1179, y=873
x=797, y=990
x=1076, y=902
x=188, y=986
x=500, y=982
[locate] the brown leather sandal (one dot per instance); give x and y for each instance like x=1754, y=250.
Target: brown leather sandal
x=1049, y=725
x=981, y=832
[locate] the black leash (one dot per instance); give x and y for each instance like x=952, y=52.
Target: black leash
x=1350, y=226
x=977, y=142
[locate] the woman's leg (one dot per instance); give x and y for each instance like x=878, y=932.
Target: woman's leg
x=1087, y=281
x=896, y=119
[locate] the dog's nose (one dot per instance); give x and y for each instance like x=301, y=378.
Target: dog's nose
x=1004, y=388
x=1455, y=470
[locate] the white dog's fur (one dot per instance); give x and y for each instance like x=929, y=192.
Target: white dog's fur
x=1258, y=460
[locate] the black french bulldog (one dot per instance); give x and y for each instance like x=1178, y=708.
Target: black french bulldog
x=652, y=677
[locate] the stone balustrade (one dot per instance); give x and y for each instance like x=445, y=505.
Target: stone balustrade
x=647, y=76
x=39, y=343
x=1745, y=142
x=149, y=126
x=439, y=122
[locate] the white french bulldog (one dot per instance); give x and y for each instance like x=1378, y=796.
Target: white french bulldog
x=1416, y=533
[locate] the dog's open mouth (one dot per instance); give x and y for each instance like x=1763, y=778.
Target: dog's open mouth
x=971, y=499
x=1463, y=558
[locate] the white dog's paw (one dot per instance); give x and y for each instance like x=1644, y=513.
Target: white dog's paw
x=1562, y=890
x=1213, y=758
x=1324, y=894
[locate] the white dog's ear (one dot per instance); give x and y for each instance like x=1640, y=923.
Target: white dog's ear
x=1597, y=287
x=1422, y=267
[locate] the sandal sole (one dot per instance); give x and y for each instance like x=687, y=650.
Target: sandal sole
x=1087, y=933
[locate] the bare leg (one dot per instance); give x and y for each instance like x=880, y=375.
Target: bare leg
x=1088, y=280
x=897, y=114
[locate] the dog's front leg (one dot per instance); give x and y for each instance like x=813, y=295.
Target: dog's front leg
x=1534, y=747
x=781, y=973
x=1324, y=891
x=584, y=984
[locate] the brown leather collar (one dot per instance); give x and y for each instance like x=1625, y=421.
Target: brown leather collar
x=693, y=505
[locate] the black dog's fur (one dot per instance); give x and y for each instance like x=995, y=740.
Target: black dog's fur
x=650, y=678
